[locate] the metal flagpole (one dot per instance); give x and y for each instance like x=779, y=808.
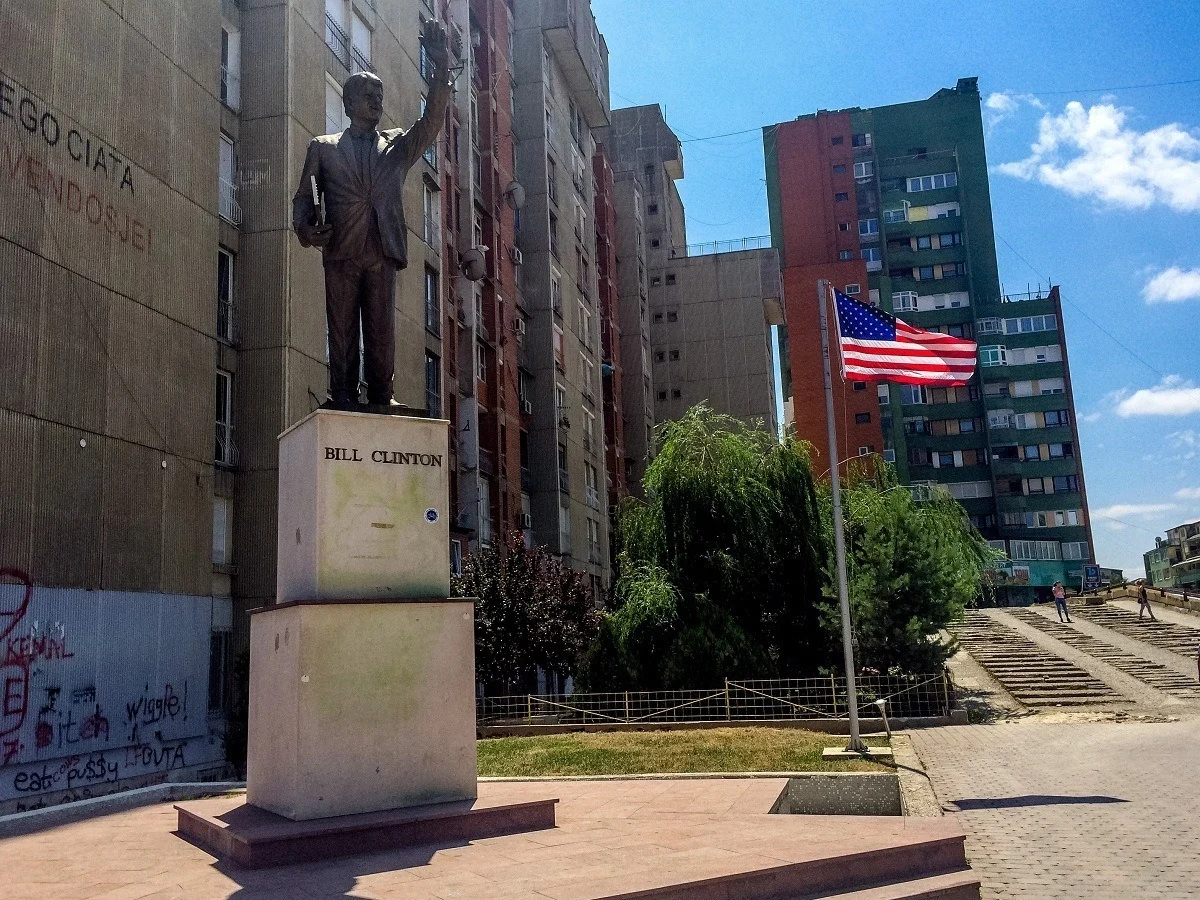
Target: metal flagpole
x=856, y=744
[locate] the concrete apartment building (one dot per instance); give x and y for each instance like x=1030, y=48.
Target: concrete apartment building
x=167, y=326
x=561, y=94
x=892, y=206
x=1175, y=559
x=696, y=319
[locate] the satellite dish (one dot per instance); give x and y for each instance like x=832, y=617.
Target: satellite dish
x=515, y=194
x=474, y=263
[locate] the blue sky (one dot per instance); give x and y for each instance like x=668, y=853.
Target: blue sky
x=1107, y=205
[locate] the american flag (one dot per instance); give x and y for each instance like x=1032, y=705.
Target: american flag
x=876, y=346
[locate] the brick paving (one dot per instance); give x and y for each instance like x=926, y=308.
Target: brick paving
x=1037, y=802
x=612, y=837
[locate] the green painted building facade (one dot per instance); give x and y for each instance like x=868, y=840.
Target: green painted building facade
x=1006, y=445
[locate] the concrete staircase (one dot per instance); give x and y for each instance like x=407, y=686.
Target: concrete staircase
x=1152, y=673
x=1157, y=633
x=1032, y=675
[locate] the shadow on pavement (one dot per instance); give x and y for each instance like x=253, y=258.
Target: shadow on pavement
x=1028, y=800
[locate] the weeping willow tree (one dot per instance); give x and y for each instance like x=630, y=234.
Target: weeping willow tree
x=912, y=567
x=720, y=569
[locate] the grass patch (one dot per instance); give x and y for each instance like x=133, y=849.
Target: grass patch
x=651, y=752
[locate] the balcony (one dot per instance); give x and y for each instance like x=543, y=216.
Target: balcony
x=231, y=88
x=594, y=555
x=228, y=205
x=342, y=48
x=225, y=321
x=592, y=499
x=578, y=58
x=564, y=482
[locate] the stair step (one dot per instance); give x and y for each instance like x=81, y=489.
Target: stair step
x=962, y=885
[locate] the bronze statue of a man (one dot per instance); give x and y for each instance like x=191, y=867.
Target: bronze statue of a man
x=350, y=204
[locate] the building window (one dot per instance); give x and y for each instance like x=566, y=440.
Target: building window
x=873, y=257
x=229, y=209
x=862, y=139
x=932, y=182
x=225, y=295
x=662, y=395
x=864, y=169
x=949, y=270
x=953, y=239
x=222, y=552
x=231, y=69
x=433, y=310
x=843, y=226
x=852, y=290
x=839, y=169
x=560, y=358
x=836, y=140
x=676, y=394
x=841, y=196
x=672, y=317
x=924, y=273
x=994, y=355
x=674, y=355
x=845, y=254
x=904, y=301
x=481, y=357
x=652, y=209
x=433, y=385
x=860, y=386
x=589, y=483
x=224, y=453
x=895, y=216
x=670, y=278
x=335, y=111
x=431, y=210
x=913, y=394
x=862, y=418
x=659, y=356
x=924, y=242
x=868, y=226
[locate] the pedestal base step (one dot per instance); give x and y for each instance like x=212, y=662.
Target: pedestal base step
x=232, y=829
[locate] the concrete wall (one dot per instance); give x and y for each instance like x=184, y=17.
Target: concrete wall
x=102, y=690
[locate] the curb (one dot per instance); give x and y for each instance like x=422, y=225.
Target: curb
x=65, y=813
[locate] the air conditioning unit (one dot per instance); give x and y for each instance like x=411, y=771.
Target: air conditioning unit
x=526, y=521
x=527, y=407
x=514, y=253
x=519, y=325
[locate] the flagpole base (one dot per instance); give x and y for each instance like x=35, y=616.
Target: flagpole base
x=851, y=753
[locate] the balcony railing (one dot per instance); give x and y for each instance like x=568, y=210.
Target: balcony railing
x=225, y=323
x=230, y=210
x=231, y=88
x=224, y=451
x=342, y=47
x=433, y=232
x=759, y=242
x=564, y=482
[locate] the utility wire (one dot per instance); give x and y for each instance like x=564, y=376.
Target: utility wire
x=1125, y=87
x=1083, y=312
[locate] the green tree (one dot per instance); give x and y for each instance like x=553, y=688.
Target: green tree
x=531, y=613
x=719, y=570
x=912, y=567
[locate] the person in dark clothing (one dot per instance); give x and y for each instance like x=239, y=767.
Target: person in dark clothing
x=1144, y=603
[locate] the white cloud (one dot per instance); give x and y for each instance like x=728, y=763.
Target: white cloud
x=1173, y=285
x=1188, y=493
x=1182, y=439
x=1004, y=104
x=1092, y=153
x=1091, y=417
x=1173, y=396
x=1133, y=510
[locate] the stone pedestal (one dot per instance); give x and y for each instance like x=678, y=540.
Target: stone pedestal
x=362, y=676
x=358, y=707
x=363, y=508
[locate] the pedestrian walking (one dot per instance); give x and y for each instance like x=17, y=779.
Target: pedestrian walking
x=1144, y=603
x=1060, y=602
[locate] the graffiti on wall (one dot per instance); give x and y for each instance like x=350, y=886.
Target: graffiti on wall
x=87, y=710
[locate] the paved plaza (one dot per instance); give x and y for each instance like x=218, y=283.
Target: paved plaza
x=1074, y=810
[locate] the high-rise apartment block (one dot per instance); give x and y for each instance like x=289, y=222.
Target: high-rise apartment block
x=697, y=318
x=891, y=205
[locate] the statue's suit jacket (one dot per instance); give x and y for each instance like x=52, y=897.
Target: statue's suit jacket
x=355, y=206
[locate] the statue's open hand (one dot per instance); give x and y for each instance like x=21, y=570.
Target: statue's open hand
x=316, y=235
x=437, y=44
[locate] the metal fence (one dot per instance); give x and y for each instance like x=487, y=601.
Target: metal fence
x=737, y=701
